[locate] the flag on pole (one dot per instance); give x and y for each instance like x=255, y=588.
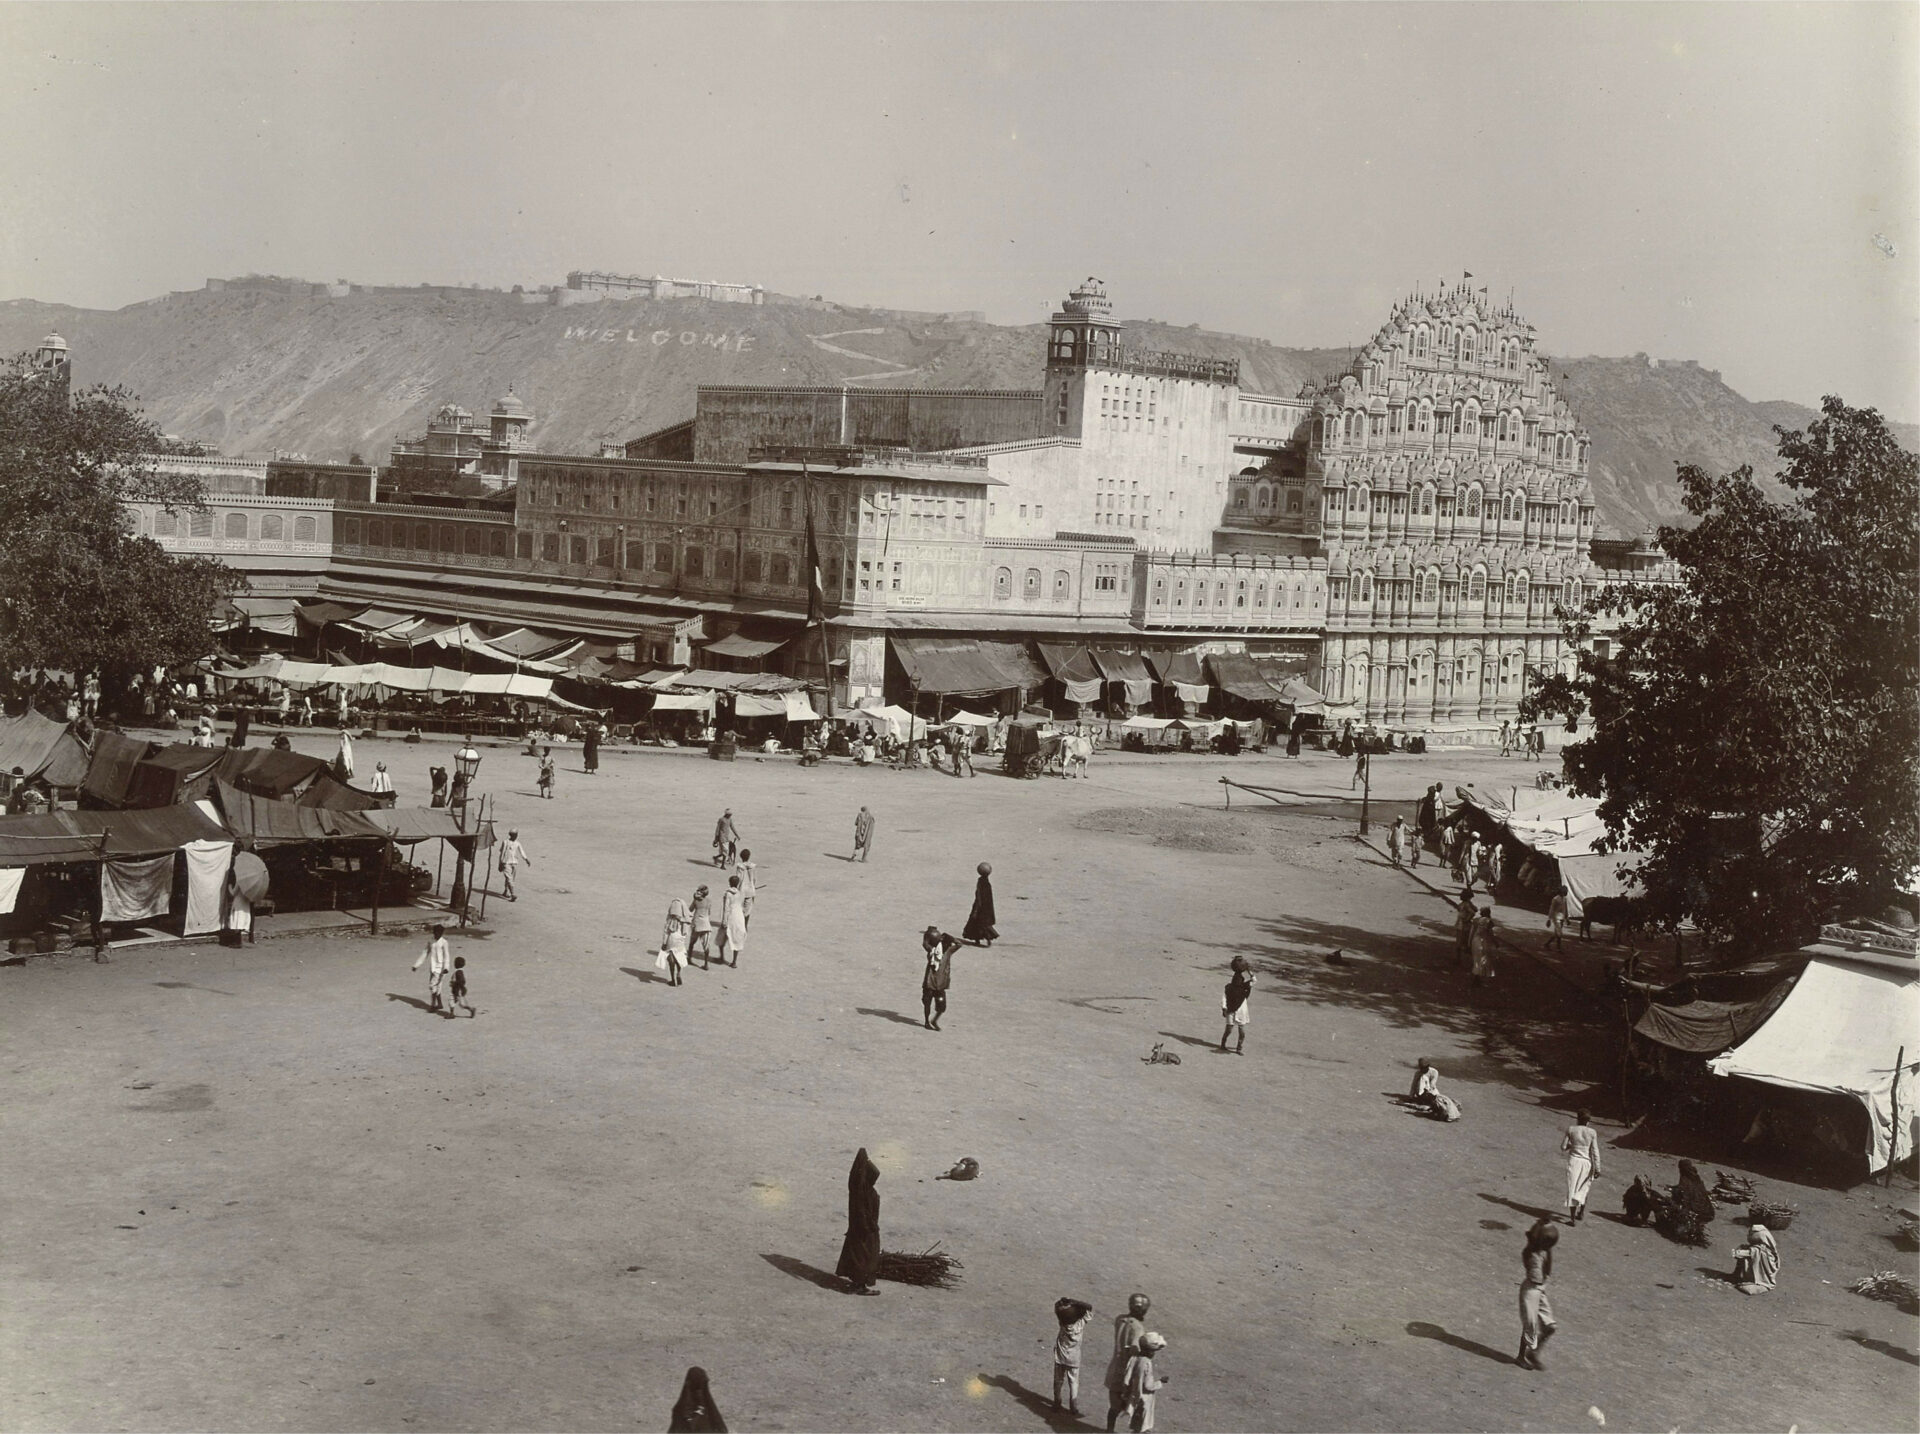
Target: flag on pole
x=1466, y=273
x=816, y=589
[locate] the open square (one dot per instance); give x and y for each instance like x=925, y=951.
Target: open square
x=262, y=1188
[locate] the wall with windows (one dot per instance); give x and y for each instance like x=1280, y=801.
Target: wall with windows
x=442, y=537
x=240, y=524
x=1230, y=592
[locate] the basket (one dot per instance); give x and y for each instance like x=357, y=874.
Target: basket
x=1774, y=1217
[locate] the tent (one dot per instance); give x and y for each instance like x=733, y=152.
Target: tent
x=274, y=615
x=1237, y=676
x=88, y=836
x=115, y=755
x=966, y=719
x=1128, y=670
x=1842, y=1030
x=1073, y=670
x=1704, y=1028
x=266, y=772
x=897, y=721
x=41, y=747
x=739, y=645
x=176, y=773
x=683, y=702
x=958, y=666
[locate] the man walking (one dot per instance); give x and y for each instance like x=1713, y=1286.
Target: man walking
x=938, y=976
x=1557, y=919
x=862, y=835
x=1397, y=841
x=1127, y=1331
x=511, y=855
x=726, y=839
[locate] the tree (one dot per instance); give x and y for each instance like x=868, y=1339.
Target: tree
x=1757, y=725
x=79, y=590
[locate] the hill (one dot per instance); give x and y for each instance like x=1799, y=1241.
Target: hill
x=258, y=367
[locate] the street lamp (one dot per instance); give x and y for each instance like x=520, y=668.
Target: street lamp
x=466, y=762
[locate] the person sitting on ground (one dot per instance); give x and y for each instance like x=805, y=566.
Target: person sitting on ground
x=1425, y=1094
x=1641, y=1202
x=1756, y=1264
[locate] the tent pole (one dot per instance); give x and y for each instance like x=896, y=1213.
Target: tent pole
x=486, y=876
x=379, y=875
x=1893, y=1130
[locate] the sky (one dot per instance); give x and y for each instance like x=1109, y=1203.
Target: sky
x=1737, y=184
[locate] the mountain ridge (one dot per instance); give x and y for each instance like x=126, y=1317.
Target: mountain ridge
x=271, y=365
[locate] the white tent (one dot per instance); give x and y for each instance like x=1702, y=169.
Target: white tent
x=967, y=719
x=683, y=702
x=1842, y=1030
x=897, y=720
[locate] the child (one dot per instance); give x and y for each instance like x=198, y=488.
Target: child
x=460, y=989
x=1073, y=1316
x=546, y=772
x=702, y=947
x=1142, y=1382
x=438, y=959
x=1234, y=1005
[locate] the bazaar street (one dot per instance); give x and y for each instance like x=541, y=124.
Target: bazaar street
x=262, y=1188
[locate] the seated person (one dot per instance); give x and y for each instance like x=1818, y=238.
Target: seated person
x=1425, y=1093
x=1756, y=1264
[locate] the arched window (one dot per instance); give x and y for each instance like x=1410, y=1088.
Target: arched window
x=696, y=562
x=1470, y=505
x=1426, y=500
x=1477, y=586
x=305, y=529
x=779, y=569
x=476, y=542
x=450, y=538
x=1240, y=593
x=1366, y=587
x=1062, y=585
x=271, y=527
x=1030, y=584
x=1431, y=592
x=1266, y=497
x=577, y=550
x=1420, y=337
x=1521, y=593
x=1003, y=583
x=376, y=533
x=1362, y=500
x=1426, y=415
x=236, y=526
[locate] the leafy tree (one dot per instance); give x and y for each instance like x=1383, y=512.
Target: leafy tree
x=79, y=591
x=1757, y=726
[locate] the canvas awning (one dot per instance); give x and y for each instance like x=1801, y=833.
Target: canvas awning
x=264, y=822
x=683, y=702
x=1127, y=669
x=1595, y=874
x=799, y=709
x=897, y=720
x=740, y=645
x=750, y=704
x=258, y=614
x=319, y=614
x=963, y=665
x=1149, y=724
x=51, y=837
x=1235, y=675
x=1179, y=669
x=41, y=747
x=525, y=642
x=1840, y=1031
x=1708, y=1027
x=1068, y=664
x=114, y=757
x=967, y=719
x=267, y=772
x=337, y=796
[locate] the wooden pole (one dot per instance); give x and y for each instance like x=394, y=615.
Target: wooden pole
x=486, y=876
x=1893, y=1132
x=379, y=875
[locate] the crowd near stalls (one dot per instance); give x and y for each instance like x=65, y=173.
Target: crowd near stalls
x=140, y=839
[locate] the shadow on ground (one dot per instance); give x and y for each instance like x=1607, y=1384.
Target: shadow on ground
x=801, y=1270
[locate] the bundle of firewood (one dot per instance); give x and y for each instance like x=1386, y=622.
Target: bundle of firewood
x=929, y=1267
x=1732, y=1189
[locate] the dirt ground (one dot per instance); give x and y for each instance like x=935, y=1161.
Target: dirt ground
x=264, y=1189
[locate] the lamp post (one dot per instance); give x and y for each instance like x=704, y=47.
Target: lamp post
x=1366, y=788
x=466, y=762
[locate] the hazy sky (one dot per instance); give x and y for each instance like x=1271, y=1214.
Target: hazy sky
x=1738, y=184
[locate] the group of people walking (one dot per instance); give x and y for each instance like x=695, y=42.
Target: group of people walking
x=1132, y=1377
x=696, y=932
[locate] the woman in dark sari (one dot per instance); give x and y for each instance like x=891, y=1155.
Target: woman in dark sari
x=694, y=1412
x=860, y=1252
x=979, y=928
